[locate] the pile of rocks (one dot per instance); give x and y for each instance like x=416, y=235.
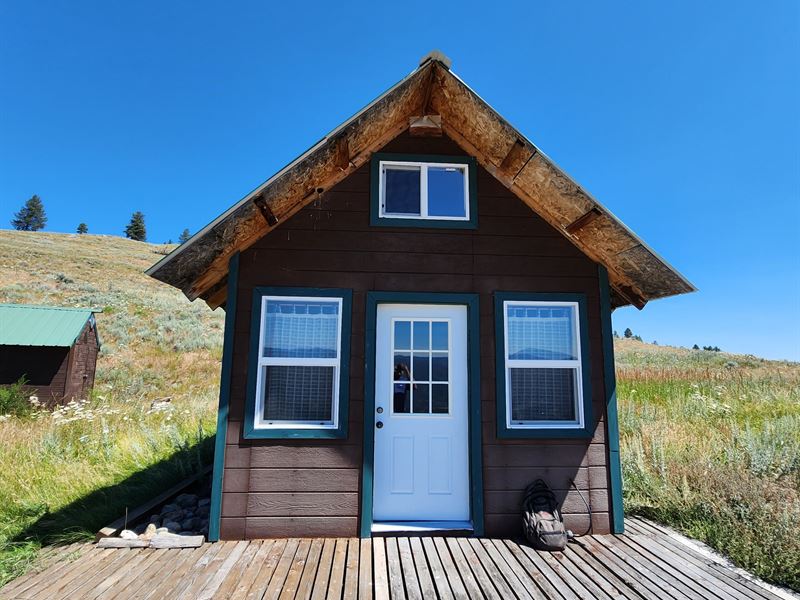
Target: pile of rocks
x=186, y=515
x=180, y=524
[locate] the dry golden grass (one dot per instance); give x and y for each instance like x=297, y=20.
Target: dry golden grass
x=710, y=443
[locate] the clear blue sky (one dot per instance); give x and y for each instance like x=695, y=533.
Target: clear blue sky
x=681, y=117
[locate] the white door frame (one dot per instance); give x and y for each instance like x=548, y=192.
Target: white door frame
x=475, y=485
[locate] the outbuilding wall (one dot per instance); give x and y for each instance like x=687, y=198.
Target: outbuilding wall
x=53, y=373
x=312, y=487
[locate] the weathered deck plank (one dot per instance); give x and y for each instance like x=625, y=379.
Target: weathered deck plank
x=647, y=562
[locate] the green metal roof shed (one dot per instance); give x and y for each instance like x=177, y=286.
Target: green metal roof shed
x=52, y=349
x=28, y=325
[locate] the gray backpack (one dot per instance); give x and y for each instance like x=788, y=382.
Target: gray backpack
x=541, y=519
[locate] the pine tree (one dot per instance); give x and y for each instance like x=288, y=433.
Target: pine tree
x=135, y=230
x=82, y=228
x=31, y=216
x=695, y=347
x=184, y=236
x=628, y=333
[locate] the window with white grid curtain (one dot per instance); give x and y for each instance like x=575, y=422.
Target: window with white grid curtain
x=299, y=362
x=543, y=365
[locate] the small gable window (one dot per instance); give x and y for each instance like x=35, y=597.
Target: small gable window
x=423, y=191
x=298, y=363
x=542, y=365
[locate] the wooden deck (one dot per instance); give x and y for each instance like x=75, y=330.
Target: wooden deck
x=644, y=563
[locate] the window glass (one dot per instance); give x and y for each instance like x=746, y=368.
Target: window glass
x=298, y=375
x=542, y=394
x=543, y=364
x=298, y=393
x=439, y=339
x=446, y=192
x=402, y=335
x=402, y=190
x=541, y=332
x=420, y=376
x=301, y=329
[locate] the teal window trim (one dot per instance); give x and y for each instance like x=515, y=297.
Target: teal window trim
x=215, y=510
x=250, y=430
x=612, y=419
x=503, y=431
x=431, y=223
x=474, y=397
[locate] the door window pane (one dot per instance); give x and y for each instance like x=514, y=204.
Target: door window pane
x=421, y=397
x=298, y=393
x=446, y=192
x=439, y=366
x=421, y=335
x=439, y=335
x=402, y=190
x=402, y=366
x=401, y=402
x=542, y=394
x=440, y=398
x=301, y=329
x=402, y=335
x=421, y=369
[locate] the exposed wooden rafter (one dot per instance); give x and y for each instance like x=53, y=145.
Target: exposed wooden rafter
x=582, y=221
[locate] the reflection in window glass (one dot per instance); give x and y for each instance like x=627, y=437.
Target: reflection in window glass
x=439, y=366
x=440, y=400
x=421, y=394
x=301, y=329
x=439, y=335
x=542, y=363
x=421, y=335
x=402, y=335
x=541, y=333
x=446, y=192
x=402, y=190
x=421, y=367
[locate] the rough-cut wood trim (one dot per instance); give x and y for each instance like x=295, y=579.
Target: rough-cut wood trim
x=381, y=123
x=636, y=273
x=532, y=202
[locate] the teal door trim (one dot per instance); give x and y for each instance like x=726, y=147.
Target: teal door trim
x=215, y=513
x=474, y=399
x=612, y=422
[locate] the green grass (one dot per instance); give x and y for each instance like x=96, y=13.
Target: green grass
x=710, y=444
x=66, y=474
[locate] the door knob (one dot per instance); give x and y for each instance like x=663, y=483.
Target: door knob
x=379, y=424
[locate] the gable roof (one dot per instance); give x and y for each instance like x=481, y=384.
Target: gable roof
x=636, y=273
x=28, y=325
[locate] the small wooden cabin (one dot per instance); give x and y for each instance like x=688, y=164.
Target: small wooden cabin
x=418, y=325
x=53, y=348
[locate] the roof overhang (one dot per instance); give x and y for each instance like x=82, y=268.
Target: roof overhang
x=636, y=273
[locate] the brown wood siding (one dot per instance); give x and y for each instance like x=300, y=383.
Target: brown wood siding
x=312, y=487
x=44, y=367
x=80, y=379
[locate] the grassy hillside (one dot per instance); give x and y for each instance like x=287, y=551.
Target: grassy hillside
x=64, y=475
x=710, y=444
x=710, y=441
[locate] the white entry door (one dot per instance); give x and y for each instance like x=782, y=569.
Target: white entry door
x=421, y=463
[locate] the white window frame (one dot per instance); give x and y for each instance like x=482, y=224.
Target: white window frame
x=423, y=190
x=263, y=362
x=577, y=365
